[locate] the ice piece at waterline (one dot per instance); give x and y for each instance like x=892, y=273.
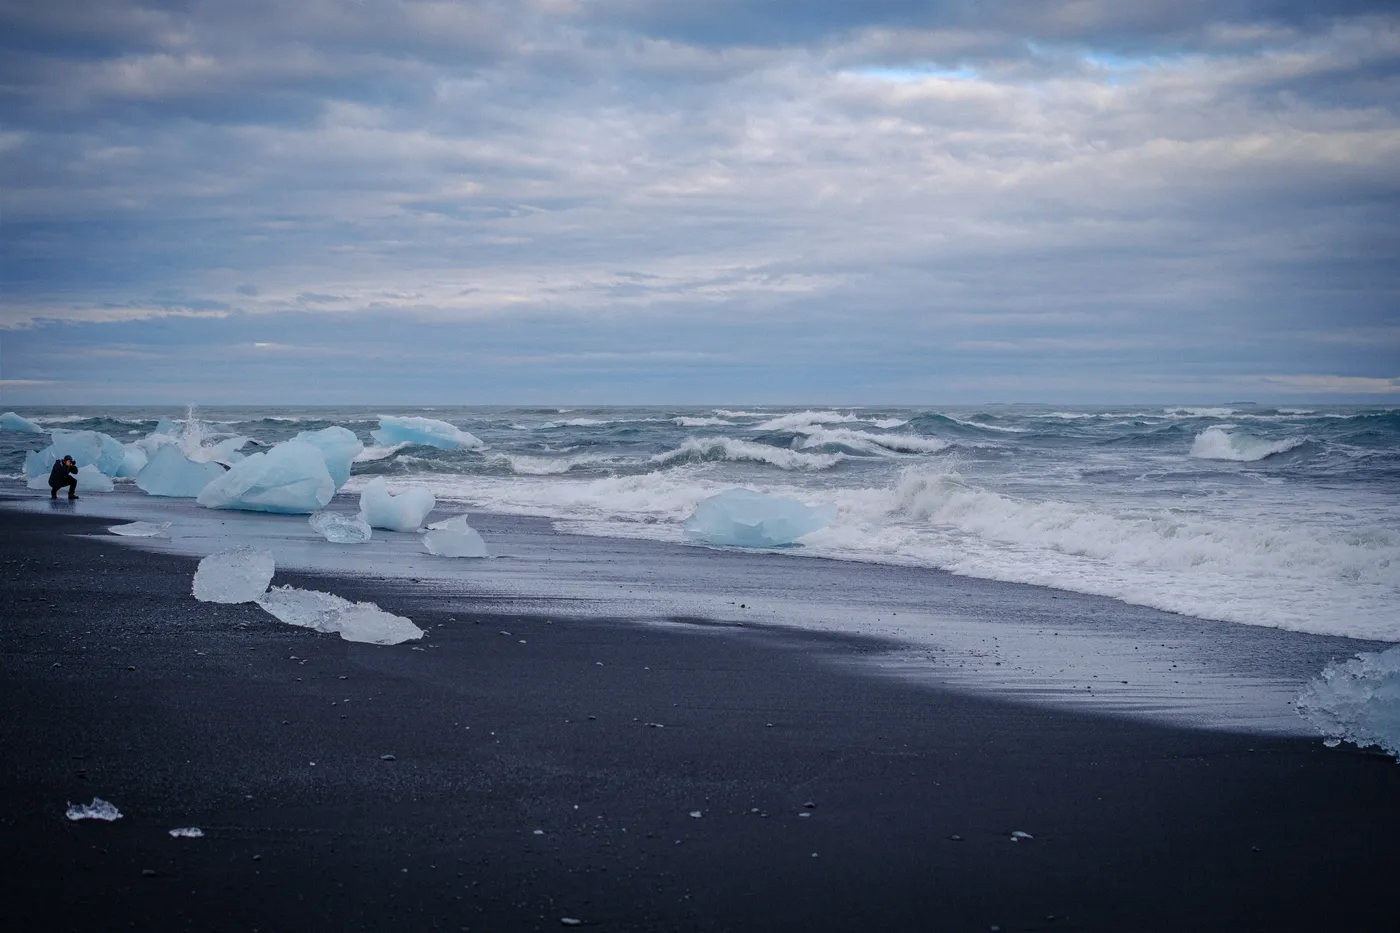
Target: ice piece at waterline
x=1357, y=701
x=404, y=512
x=99, y=809
x=289, y=478
x=341, y=527
x=427, y=431
x=339, y=446
x=238, y=575
x=324, y=612
x=90, y=479
x=10, y=421
x=744, y=518
x=142, y=530
x=170, y=473
x=454, y=538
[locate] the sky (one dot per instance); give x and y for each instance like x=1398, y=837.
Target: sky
x=699, y=201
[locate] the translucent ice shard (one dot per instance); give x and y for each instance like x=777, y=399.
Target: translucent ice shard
x=428, y=431
x=99, y=809
x=171, y=473
x=404, y=512
x=324, y=612
x=289, y=478
x=89, y=480
x=10, y=421
x=339, y=446
x=454, y=538
x=1357, y=701
x=187, y=832
x=238, y=575
x=134, y=462
x=744, y=518
x=142, y=530
x=341, y=528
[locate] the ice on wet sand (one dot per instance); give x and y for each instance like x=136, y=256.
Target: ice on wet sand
x=99, y=809
x=454, y=538
x=745, y=518
x=237, y=575
x=427, y=431
x=170, y=473
x=341, y=527
x=404, y=512
x=1358, y=701
x=290, y=478
x=90, y=479
x=325, y=612
x=142, y=530
x=87, y=448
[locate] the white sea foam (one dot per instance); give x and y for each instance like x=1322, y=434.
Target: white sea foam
x=728, y=448
x=526, y=465
x=874, y=443
x=685, y=422
x=803, y=420
x=1219, y=443
x=886, y=424
x=370, y=454
x=726, y=413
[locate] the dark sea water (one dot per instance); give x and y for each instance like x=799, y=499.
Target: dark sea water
x=1279, y=517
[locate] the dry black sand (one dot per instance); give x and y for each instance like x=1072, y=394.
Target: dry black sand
x=829, y=799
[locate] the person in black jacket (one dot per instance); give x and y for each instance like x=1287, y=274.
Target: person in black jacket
x=64, y=473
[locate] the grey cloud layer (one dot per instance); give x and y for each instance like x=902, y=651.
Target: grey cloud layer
x=1123, y=184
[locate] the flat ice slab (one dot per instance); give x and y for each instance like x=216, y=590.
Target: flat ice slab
x=142, y=530
x=427, y=431
x=745, y=518
x=404, y=512
x=1357, y=701
x=99, y=809
x=324, y=612
x=238, y=575
x=340, y=528
x=454, y=538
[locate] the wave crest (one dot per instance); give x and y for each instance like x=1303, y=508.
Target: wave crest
x=728, y=448
x=1217, y=443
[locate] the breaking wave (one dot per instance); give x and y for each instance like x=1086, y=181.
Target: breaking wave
x=867, y=442
x=728, y=448
x=1219, y=443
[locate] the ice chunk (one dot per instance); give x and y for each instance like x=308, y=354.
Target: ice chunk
x=10, y=421
x=339, y=446
x=744, y=518
x=428, y=431
x=404, y=512
x=324, y=612
x=454, y=538
x=1358, y=701
x=142, y=530
x=88, y=448
x=341, y=528
x=171, y=473
x=99, y=809
x=289, y=478
x=238, y=575
x=89, y=480
x=134, y=462
x=187, y=832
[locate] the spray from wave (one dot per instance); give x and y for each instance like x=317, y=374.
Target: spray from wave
x=1220, y=442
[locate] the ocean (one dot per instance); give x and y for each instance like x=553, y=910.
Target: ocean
x=1239, y=514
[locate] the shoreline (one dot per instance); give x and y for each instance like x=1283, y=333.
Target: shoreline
x=1136, y=825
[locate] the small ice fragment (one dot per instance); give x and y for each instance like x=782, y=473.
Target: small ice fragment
x=142, y=530
x=1357, y=701
x=428, y=431
x=695, y=814
x=10, y=421
x=341, y=527
x=404, y=512
x=1017, y=836
x=290, y=478
x=237, y=575
x=454, y=538
x=539, y=832
x=324, y=612
x=99, y=809
x=570, y=922
x=387, y=758
x=744, y=518
x=187, y=832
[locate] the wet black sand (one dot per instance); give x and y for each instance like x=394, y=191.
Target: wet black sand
x=606, y=737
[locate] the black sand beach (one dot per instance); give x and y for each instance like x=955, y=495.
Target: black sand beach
x=546, y=769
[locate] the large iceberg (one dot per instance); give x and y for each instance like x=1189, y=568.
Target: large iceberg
x=134, y=462
x=744, y=518
x=89, y=480
x=87, y=448
x=237, y=575
x=324, y=612
x=404, y=512
x=289, y=478
x=339, y=446
x=454, y=538
x=10, y=421
x=427, y=431
x=171, y=473
x=341, y=528
x=1358, y=701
